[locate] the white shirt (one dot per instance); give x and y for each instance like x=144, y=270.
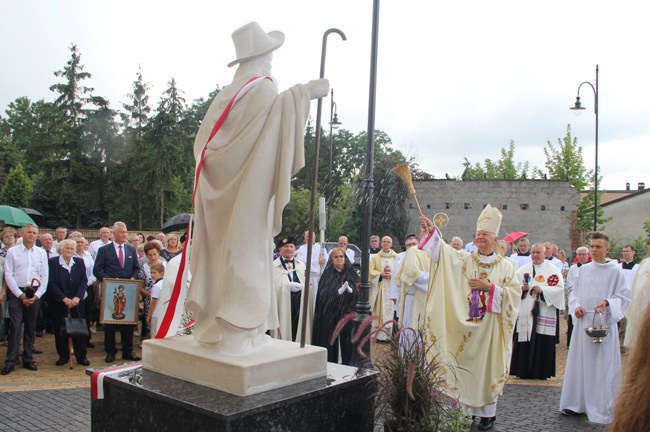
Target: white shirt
x=94, y=247
x=90, y=263
x=53, y=252
x=155, y=289
x=520, y=260
x=117, y=250
x=629, y=274
x=22, y=265
x=65, y=265
x=315, y=268
x=350, y=255
x=555, y=261
x=470, y=247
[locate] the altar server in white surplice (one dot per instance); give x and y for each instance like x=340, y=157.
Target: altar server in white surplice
x=593, y=371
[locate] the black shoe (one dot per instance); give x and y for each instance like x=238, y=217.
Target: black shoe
x=568, y=412
x=83, y=362
x=61, y=362
x=486, y=423
x=131, y=356
x=7, y=370
x=90, y=345
x=110, y=358
x=30, y=366
x=39, y=333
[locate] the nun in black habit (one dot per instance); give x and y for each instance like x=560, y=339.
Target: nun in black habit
x=337, y=296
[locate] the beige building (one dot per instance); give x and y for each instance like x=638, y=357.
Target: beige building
x=543, y=208
x=628, y=214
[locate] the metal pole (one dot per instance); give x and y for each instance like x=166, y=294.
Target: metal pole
x=329, y=175
x=596, y=167
x=578, y=107
x=363, y=306
x=314, y=190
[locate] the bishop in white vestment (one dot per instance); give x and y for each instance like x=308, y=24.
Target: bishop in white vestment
x=476, y=340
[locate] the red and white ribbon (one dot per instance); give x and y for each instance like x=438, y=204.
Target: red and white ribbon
x=97, y=378
x=170, y=322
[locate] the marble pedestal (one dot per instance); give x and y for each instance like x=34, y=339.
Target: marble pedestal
x=276, y=364
x=145, y=400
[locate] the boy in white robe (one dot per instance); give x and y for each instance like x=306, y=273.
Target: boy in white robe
x=593, y=372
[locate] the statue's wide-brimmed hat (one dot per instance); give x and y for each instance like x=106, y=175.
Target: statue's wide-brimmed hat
x=251, y=41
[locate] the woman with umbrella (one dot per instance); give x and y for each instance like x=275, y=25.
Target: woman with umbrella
x=65, y=289
x=337, y=296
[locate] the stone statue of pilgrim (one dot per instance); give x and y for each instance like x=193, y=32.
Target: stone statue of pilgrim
x=242, y=188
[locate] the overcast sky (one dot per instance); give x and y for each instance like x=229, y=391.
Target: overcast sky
x=455, y=79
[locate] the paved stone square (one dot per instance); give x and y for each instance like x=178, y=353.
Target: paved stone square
x=56, y=398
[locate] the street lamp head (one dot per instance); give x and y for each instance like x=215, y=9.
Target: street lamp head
x=335, y=123
x=577, y=108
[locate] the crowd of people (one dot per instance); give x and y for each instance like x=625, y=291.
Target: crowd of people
x=48, y=278
x=482, y=300
x=486, y=299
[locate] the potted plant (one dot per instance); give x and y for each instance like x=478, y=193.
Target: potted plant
x=410, y=395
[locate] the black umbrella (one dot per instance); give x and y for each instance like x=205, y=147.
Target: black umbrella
x=31, y=211
x=176, y=223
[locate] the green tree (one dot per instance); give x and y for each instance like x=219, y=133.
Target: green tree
x=76, y=167
x=565, y=162
x=72, y=92
x=100, y=147
x=17, y=189
x=135, y=171
x=295, y=216
x=503, y=168
x=168, y=146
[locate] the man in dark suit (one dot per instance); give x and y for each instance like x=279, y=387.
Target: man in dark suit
x=117, y=260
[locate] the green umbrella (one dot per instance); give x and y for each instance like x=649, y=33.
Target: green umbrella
x=14, y=216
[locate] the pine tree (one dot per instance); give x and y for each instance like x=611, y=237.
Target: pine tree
x=17, y=189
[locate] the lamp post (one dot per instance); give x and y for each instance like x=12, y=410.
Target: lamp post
x=334, y=124
x=577, y=109
x=363, y=307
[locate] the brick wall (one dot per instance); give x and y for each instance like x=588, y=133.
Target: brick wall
x=543, y=208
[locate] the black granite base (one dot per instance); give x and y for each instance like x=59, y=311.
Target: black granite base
x=142, y=400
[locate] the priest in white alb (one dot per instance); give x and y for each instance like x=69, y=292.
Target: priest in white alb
x=592, y=376
x=533, y=354
x=381, y=265
x=412, y=282
x=472, y=306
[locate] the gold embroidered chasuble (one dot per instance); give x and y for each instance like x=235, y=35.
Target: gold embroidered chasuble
x=478, y=350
